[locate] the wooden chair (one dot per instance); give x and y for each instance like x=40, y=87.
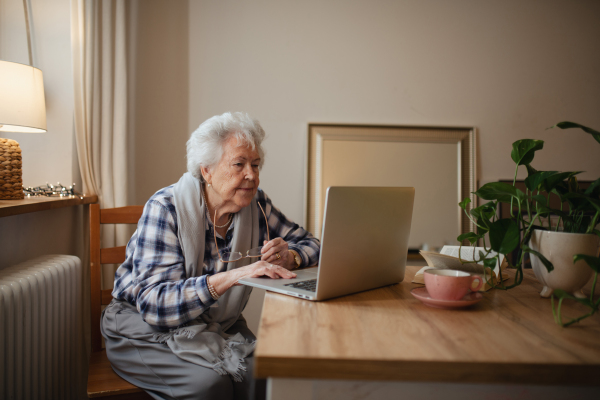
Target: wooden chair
x=103, y=382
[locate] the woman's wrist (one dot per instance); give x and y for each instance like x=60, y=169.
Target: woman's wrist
x=294, y=259
x=221, y=282
x=211, y=289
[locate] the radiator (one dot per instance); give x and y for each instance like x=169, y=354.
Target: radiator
x=41, y=329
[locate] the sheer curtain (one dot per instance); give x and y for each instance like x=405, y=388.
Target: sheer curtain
x=98, y=41
x=98, y=30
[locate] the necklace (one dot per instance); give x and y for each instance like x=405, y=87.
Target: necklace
x=227, y=223
x=214, y=222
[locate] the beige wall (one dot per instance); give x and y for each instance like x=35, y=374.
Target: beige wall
x=159, y=77
x=509, y=68
x=47, y=157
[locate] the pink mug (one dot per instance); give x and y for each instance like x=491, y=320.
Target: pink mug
x=449, y=284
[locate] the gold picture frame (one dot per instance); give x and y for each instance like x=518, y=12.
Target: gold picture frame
x=321, y=135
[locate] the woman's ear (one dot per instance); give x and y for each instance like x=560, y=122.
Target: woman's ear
x=205, y=171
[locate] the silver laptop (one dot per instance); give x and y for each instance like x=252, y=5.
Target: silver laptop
x=364, y=244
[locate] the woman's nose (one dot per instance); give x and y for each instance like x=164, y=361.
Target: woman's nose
x=250, y=173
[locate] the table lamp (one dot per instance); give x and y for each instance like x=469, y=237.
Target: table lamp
x=22, y=109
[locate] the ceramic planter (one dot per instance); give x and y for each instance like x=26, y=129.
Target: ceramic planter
x=559, y=248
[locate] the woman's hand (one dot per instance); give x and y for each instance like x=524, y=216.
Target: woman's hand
x=224, y=280
x=262, y=268
x=277, y=252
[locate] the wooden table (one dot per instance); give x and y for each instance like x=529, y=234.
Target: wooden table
x=387, y=334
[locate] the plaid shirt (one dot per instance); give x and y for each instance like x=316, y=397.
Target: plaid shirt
x=153, y=275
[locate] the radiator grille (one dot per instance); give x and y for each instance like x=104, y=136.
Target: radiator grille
x=41, y=329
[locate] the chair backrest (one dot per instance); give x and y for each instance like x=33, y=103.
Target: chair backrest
x=109, y=255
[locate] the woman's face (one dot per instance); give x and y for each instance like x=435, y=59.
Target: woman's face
x=235, y=178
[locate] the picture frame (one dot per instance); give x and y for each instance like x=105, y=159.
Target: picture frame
x=328, y=138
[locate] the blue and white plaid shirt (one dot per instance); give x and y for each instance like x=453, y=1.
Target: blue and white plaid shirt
x=153, y=275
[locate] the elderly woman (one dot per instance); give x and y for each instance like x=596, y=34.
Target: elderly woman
x=175, y=326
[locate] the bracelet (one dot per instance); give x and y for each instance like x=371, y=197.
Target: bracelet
x=212, y=290
x=295, y=256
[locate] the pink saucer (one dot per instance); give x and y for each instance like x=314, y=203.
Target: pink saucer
x=469, y=299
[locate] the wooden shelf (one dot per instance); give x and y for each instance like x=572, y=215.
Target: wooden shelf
x=34, y=204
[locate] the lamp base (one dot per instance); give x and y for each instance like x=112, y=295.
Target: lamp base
x=11, y=172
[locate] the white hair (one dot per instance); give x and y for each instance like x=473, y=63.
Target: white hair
x=205, y=146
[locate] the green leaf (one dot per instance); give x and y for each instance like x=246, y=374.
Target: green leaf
x=541, y=199
x=554, y=211
x=587, y=200
x=483, y=215
x=541, y=204
x=485, y=211
x=472, y=237
x=561, y=189
x=491, y=263
x=578, y=202
x=463, y=204
x=572, y=225
x=524, y=150
x=504, y=236
x=543, y=259
x=569, y=125
x=594, y=189
x=481, y=231
x=550, y=182
x=500, y=191
x=593, y=262
x=547, y=180
x=534, y=181
x=530, y=170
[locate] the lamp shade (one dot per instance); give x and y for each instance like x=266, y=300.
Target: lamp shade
x=22, y=103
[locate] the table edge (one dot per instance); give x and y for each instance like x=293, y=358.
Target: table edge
x=427, y=371
x=28, y=205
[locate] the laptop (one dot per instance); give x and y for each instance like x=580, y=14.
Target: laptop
x=364, y=244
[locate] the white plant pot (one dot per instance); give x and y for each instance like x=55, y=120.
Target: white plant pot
x=559, y=248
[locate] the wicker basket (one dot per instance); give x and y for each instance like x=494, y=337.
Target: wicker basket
x=11, y=174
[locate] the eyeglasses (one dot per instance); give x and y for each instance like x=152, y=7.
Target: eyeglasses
x=229, y=256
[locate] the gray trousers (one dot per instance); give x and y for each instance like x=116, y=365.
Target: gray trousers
x=154, y=368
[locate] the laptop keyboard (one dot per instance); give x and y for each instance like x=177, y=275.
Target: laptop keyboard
x=310, y=285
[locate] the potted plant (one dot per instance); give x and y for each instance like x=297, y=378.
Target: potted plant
x=530, y=230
